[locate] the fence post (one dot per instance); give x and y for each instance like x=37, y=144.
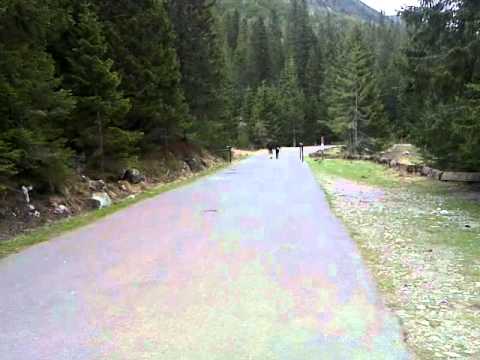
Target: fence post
x=229, y=149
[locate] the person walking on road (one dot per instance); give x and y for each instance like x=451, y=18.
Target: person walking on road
x=270, y=149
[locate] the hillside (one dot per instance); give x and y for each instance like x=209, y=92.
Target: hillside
x=354, y=8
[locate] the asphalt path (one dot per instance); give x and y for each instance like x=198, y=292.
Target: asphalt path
x=249, y=263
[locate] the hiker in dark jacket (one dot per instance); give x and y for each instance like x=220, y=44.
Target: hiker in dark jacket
x=277, y=151
x=270, y=149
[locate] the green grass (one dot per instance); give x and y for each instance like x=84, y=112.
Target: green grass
x=376, y=175
x=408, y=213
x=359, y=171
x=57, y=228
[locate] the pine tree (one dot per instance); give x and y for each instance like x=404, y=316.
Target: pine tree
x=277, y=52
x=260, y=116
x=265, y=115
x=299, y=38
x=467, y=128
x=33, y=107
x=315, y=108
x=246, y=113
x=260, y=62
x=101, y=107
x=142, y=45
x=292, y=113
x=440, y=70
x=201, y=62
x=9, y=157
x=232, y=29
x=355, y=106
x=241, y=59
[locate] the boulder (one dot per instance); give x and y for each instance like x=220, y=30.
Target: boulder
x=384, y=160
x=32, y=211
x=61, y=210
x=100, y=200
x=194, y=164
x=460, y=176
x=436, y=174
x=54, y=201
x=185, y=169
x=133, y=176
x=426, y=171
x=125, y=186
x=411, y=169
x=97, y=185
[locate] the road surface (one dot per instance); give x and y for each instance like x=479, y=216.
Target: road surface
x=248, y=264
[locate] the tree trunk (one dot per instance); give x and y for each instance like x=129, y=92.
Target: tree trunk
x=100, y=143
x=355, y=125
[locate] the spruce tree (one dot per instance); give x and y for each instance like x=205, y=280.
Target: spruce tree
x=260, y=117
x=201, y=62
x=260, y=62
x=299, y=38
x=292, y=102
x=142, y=45
x=277, y=51
x=232, y=29
x=440, y=70
x=101, y=107
x=467, y=128
x=33, y=106
x=246, y=112
x=315, y=109
x=241, y=59
x=355, y=107
x=265, y=115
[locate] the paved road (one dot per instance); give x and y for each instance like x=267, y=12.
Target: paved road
x=248, y=264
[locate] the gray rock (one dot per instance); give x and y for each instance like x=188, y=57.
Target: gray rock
x=460, y=176
x=384, y=160
x=436, y=174
x=194, y=164
x=100, y=200
x=133, y=176
x=426, y=171
x=97, y=185
x=32, y=211
x=61, y=210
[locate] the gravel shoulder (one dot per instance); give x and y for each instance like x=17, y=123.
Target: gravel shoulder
x=420, y=239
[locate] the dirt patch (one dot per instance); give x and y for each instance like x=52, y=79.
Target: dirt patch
x=354, y=192
x=240, y=153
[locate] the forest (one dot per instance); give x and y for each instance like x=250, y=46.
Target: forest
x=102, y=83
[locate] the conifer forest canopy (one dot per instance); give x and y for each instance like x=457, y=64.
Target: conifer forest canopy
x=105, y=82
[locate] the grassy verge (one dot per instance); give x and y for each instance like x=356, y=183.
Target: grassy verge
x=57, y=228
x=421, y=239
x=364, y=172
